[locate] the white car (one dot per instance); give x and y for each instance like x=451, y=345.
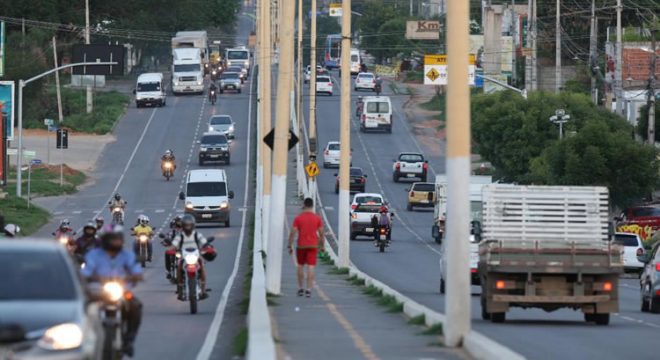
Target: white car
x=365, y=81
x=324, y=85
x=332, y=154
x=410, y=165
x=363, y=208
x=632, y=248
x=474, y=260
x=308, y=72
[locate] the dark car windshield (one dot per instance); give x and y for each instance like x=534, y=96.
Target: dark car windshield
x=369, y=200
x=229, y=76
x=424, y=187
x=333, y=146
x=646, y=211
x=378, y=107
x=186, y=68
x=626, y=240
x=234, y=69
x=220, y=120
x=411, y=158
x=35, y=275
x=153, y=86
x=356, y=172
x=237, y=55
x=214, y=140
x=216, y=188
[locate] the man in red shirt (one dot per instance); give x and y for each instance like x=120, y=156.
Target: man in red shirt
x=309, y=228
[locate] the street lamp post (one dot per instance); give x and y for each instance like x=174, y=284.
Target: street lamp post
x=560, y=117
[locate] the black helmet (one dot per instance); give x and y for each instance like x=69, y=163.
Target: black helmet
x=117, y=196
x=112, y=233
x=89, y=226
x=188, y=223
x=178, y=220
x=209, y=253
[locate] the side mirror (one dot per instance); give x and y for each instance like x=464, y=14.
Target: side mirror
x=134, y=91
x=199, y=141
x=365, y=175
x=182, y=196
x=230, y=195
x=435, y=232
x=392, y=214
x=336, y=174
x=210, y=239
x=407, y=189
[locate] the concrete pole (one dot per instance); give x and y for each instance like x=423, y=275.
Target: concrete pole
x=299, y=115
x=57, y=83
x=514, y=32
x=651, y=97
x=618, y=93
x=458, y=173
x=19, y=155
x=535, y=68
x=411, y=8
x=280, y=161
x=345, y=136
x=528, y=57
x=265, y=55
x=90, y=103
x=593, y=44
x=558, y=48
x=312, y=96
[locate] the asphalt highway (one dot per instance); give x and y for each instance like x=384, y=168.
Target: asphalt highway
x=411, y=265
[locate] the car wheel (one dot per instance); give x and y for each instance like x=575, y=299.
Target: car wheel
x=645, y=304
x=602, y=319
x=395, y=177
x=442, y=286
x=589, y=317
x=201, y=162
x=423, y=178
x=222, y=91
x=409, y=207
x=325, y=165
x=228, y=161
x=227, y=223
x=654, y=304
x=353, y=236
x=239, y=91
x=389, y=129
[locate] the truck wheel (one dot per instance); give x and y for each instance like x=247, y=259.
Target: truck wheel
x=442, y=286
x=409, y=207
x=500, y=317
x=353, y=236
x=589, y=317
x=602, y=319
x=484, y=314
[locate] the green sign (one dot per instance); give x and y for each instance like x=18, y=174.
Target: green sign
x=2, y=48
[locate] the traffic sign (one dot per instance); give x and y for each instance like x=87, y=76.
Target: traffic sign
x=312, y=169
x=269, y=139
x=35, y=162
x=49, y=122
x=26, y=153
x=435, y=69
x=335, y=10
x=62, y=139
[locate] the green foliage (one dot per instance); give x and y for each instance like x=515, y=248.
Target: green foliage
x=417, y=320
x=45, y=181
x=241, y=342
x=517, y=137
x=15, y=211
x=643, y=121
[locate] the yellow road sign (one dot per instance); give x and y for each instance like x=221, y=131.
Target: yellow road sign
x=433, y=74
x=312, y=169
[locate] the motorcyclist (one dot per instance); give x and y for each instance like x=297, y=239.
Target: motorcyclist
x=359, y=105
x=379, y=85
x=11, y=230
x=363, y=68
x=110, y=261
x=87, y=241
x=168, y=156
x=99, y=223
x=382, y=220
x=117, y=201
x=143, y=228
x=64, y=229
x=213, y=91
x=176, y=226
x=189, y=237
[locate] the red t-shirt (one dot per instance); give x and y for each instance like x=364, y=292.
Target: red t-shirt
x=308, y=224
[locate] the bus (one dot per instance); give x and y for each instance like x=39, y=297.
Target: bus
x=332, y=51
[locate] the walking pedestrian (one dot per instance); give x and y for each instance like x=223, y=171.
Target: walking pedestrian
x=308, y=227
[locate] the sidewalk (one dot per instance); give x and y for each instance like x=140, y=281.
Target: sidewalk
x=339, y=321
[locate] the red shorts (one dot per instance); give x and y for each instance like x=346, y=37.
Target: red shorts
x=307, y=256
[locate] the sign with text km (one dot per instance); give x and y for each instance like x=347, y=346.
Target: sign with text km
x=423, y=30
x=435, y=69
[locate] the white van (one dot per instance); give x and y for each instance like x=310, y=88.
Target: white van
x=149, y=90
x=376, y=113
x=206, y=196
x=356, y=61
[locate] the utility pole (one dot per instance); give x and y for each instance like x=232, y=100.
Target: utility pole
x=57, y=84
x=90, y=103
x=299, y=114
x=530, y=61
x=265, y=52
x=312, y=97
x=618, y=82
x=458, y=174
x=535, y=68
x=513, y=31
x=345, y=136
x=593, y=48
x=651, y=99
x=411, y=8
x=280, y=148
x=558, y=49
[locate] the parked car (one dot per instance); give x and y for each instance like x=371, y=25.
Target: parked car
x=324, y=85
x=44, y=312
x=357, y=182
x=650, y=280
x=632, y=249
x=421, y=194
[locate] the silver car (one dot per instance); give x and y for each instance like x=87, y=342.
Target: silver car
x=650, y=280
x=230, y=81
x=222, y=124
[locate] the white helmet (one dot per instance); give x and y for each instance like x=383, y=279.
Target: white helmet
x=143, y=219
x=12, y=230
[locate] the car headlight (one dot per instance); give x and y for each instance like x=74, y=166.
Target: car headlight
x=214, y=72
x=203, y=149
x=224, y=205
x=206, y=65
x=61, y=337
x=113, y=290
x=211, y=129
x=176, y=82
x=354, y=216
x=191, y=259
x=247, y=62
x=231, y=128
x=189, y=205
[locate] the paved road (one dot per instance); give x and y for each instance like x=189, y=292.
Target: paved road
x=411, y=264
x=131, y=166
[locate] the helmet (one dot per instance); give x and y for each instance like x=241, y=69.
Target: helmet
x=143, y=220
x=188, y=223
x=65, y=223
x=168, y=152
x=383, y=209
x=12, y=230
x=99, y=220
x=178, y=221
x=110, y=233
x=208, y=253
x=90, y=225
x=117, y=196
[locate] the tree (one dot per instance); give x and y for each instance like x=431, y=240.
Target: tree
x=516, y=136
x=643, y=122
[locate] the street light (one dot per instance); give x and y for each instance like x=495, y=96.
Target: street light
x=560, y=117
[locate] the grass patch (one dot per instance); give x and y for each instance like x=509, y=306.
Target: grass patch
x=240, y=342
x=45, y=181
x=437, y=103
x=338, y=271
x=433, y=330
x=418, y=320
x=270, y=299
x=325, y=258
x=372, y=291
x=414, y=76
x=15, y=211
x=354, y=280
x=390, y=302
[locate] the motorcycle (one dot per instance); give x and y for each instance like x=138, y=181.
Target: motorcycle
x=142, y=248
x=66, y=239
x=172, y=256
x=378, y=88
x=383, y=238
x=358, y=109
x=112, y=296
x=213, y=97
x=191, y=289
x=214, y=74
x=117, y=215
x=168, y=169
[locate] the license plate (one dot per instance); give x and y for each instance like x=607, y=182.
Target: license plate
x=372, y=123
x=232, y=86
x=383, y=237
x=425, y=201
x=369, y=229
x=214, y=156
x=187, y=87
x=410, y=175
x=206, y=216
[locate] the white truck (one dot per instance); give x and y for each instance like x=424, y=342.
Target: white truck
x=410, y=165
x=548, y=247
x=187, y=73
x=194, y=39
x=238, y=56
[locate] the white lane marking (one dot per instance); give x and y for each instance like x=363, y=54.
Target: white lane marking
x=639, y=321
x=159, y=211
x=138, y=211
x=76, y=212
x=214, y=330
x=329, y=208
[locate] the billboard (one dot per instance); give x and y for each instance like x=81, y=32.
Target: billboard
x=423, y=30
x=3, y=155
x=7, y=104
x=98, y=53
x=2, y=48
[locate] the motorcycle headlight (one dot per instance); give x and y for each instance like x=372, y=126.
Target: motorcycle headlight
x=143, y=238
x=113, y=290
x=168, y=165
x=61, y=337
x=178, y=255
x=206, y=65
x=214, y=72
x=224, y=205
x=189, y=205
x=117, y=209
x=191, y=259
x=63, y=240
